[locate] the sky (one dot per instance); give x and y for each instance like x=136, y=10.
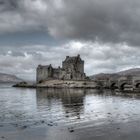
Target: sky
x=106, y=33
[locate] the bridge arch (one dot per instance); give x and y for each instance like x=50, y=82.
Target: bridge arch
x=122, y=86
x=137, y=85
x=113, y=85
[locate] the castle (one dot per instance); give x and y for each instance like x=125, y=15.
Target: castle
x=72, y=69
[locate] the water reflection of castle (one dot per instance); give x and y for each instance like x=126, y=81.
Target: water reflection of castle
x=72, y=100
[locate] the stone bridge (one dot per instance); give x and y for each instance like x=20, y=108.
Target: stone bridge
x=136, y=84
x=121, y=84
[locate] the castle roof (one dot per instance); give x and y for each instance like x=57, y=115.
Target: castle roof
x=72, y=59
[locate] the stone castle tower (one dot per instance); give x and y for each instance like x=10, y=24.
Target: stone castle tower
x=72, y=69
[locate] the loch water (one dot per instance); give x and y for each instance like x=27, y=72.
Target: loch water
x=65, y=106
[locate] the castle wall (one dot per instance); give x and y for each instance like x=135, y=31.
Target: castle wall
x=69, y=67
x=72, y=66
x=62, y=74
x=78, y=76
x=56, y=73
x=74, y=70
x=43, y=73
x=80, y=67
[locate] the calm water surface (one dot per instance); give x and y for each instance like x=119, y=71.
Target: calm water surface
x=65, y=106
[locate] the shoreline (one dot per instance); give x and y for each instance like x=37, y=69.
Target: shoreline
x=67, y=84
x=59, y=84
x=111, y=130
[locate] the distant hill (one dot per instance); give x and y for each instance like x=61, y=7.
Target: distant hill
x=7, y=78
x=129, y=72
x=133, y=72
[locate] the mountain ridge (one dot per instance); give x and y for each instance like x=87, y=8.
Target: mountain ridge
x=128, y=72
x=7, y=78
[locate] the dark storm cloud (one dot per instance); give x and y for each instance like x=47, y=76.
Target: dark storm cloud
x=21, y=16
x=8, y=5
x=105, y=33
x=107, y=21
x=113, y=21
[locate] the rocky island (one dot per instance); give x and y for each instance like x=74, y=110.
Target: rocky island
x=70, y=75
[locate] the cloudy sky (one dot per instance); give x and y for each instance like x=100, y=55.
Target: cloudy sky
x=106, y=33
